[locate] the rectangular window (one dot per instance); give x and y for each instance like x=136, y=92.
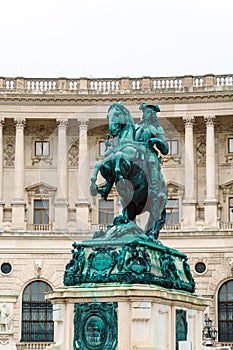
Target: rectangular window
x=42, y=148
x=231, y=209
x=172, y=212
x=230, y=145
x=173, y=147
x=101, y=148
x=41, y=212
x=106, y=211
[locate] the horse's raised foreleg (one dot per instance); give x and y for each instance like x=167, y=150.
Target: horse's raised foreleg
x=118, y=172
x=94, y=187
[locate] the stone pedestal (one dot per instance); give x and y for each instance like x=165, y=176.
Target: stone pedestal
x=136, y=317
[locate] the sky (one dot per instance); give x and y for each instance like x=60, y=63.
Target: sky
x=123, y=38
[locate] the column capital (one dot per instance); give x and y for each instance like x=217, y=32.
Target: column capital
x=83, y=123
x=2, y=122
x=20, y=122
x=209, y=120
x=189, y=120
x=62, y=122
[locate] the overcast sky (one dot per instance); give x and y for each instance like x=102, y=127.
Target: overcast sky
x=107, y=38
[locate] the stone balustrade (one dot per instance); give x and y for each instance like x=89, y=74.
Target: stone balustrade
x=123, y=85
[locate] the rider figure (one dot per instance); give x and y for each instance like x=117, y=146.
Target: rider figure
x=149, y=131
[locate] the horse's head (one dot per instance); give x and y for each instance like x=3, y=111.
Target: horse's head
x=119, y=118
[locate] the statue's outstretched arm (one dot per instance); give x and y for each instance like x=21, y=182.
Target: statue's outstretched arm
x=162, y=145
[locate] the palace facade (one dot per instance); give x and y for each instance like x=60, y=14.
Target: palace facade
x=52, y=133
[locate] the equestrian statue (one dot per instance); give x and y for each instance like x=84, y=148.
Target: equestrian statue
x=132, y=162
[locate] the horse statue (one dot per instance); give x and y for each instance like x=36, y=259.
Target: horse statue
x=132, y=162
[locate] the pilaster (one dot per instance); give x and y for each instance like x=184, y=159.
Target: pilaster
x=18, y=204
x=1, y=173
x=189, y=202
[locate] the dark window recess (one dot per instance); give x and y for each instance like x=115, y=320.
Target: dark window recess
x=225, y=312
x=6, y=268
x=200, y=267
x=37, y=313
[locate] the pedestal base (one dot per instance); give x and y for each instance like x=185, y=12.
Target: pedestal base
x=129, y=317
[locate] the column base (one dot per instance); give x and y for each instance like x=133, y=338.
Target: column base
x=61, y=214
x=211, y=213
x=1, y=215
x=189, y=214
x=18, y=215
x=82, y=214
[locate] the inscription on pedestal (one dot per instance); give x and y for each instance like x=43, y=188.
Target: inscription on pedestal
x=95, y=326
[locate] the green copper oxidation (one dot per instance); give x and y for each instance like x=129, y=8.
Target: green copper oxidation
x=132, y=162
x=137, y=261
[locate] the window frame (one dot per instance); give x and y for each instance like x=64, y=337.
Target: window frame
x=170, y=153
x=171, y=210
x=106, y=210
x=42, y=142
x=227, y=320
x=228, y=145
x=31, y=312
x=42, y=210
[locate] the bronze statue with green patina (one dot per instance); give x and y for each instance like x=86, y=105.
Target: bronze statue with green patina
x=132, y=162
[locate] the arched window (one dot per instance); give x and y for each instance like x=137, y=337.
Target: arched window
x=37, y=317
x=225, y=312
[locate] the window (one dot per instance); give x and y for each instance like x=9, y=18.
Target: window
x=173, y=147
x=172, y=212
x=231, y=209
x=225, y=312
x=200, y=268
x=230, y=145
x=41, y=212
x=42, y=148
x=6, y=268
x=37, y=322
x=106, y=209
x=102, y=147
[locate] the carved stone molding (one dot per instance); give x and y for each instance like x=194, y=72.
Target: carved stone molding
x=227, y=189
x=62, y=123
x=83, y=123
x=210, y=120
x=41, y=190
x=42, y=131
x=20, y=123
x=174, y=189
x=189, y=121
x=101, y=130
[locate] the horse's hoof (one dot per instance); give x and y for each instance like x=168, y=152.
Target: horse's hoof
x=94, y=190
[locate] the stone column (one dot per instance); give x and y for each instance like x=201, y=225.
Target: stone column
x=210, y=202
x=61, y=204
x=1, y=174
x=18, y=204
x=82, y=204
x=189, y=202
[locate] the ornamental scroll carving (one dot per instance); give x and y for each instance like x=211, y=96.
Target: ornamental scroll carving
x=201, y=150
x=73, y=153
x=9, y=151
